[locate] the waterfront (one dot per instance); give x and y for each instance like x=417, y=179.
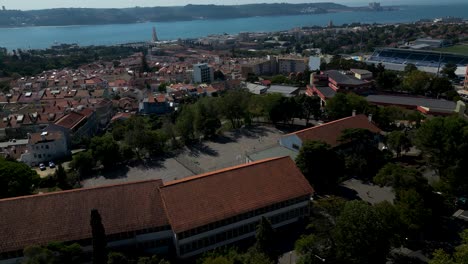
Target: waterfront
x=43, y=37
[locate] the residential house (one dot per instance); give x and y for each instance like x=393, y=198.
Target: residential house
x=79, y=124
x=154, y=104
x=45, y=146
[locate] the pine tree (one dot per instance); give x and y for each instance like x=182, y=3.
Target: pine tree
x=99, y=238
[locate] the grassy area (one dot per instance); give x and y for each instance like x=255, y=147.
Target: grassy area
x=460, y=49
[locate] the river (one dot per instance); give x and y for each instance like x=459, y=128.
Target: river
x=43, y=37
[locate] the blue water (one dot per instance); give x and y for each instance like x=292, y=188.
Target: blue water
x=43, y=37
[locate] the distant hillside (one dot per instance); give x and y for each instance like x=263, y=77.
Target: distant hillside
x=88, y=16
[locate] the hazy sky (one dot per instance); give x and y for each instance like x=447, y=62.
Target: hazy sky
x=42, y=4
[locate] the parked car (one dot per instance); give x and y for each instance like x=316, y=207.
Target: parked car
x=42, y=167
x=51, y=164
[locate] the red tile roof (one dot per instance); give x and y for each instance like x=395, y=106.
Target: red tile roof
x=71, y=120
x=65, y=216
x=207, y=198
x=50, y=136
x=331, y=132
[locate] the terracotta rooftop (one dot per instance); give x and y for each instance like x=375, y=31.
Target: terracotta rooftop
x=207, y=198
x=64, y=216
x=46, y=137
x=331, y=132
x=74, y=118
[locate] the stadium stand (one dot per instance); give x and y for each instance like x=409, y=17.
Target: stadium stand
x=396, y=59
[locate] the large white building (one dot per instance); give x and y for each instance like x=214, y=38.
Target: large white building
x=202, y=73
x=44, y=147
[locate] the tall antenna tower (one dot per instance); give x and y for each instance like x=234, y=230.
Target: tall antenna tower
x=155, y=36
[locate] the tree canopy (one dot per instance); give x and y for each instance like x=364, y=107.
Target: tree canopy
x=16, y=179
x=320, y=165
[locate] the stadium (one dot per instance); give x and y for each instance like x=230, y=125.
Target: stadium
x=428, y=61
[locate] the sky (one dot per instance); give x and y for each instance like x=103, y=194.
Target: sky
x=44, y=4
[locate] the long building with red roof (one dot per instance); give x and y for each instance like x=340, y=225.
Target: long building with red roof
x=329, y=133
x=192, y=215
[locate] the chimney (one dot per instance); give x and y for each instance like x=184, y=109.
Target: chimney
x=354, y=112
x=43, y=135
x=370, y=117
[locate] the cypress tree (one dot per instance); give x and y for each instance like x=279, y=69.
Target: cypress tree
x=99, y=238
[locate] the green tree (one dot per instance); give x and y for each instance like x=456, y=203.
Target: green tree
x=361, y=235
x=117, y=258
x=62, y=178
x=152, y=260
x=449, y=70
x=207, y=120
x=99, y=238
x=266, y=239
x=162, y=88
x=400, y=178
x=441, y=257
x=309, y=106
x=16, y=179
x=460, y=256
x=184, y=124
x=414, y=213
x=320, y=165
x=444, y=145
x=83, y=163
x=280, y=79
x=38, y=255
x=416, y=82
x=72, y=254
x=410, y=67
x=359, y=151
x=440, y=86
x=106, y=150
x=313, y=249
x=53, y=253
x=398, y=142
x=234, y=105
x=387, y=81
x=342, y=105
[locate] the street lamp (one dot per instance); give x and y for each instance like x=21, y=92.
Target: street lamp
x=321, y=259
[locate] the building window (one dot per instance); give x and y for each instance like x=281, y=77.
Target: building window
x=47, y=146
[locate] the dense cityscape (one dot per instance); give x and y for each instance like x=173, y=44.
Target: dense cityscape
x=337, y=144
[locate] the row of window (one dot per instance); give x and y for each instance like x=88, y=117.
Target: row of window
x=42, y=147
x=238, y=218
x=241, y=230
x=12, y=254
x=154, y=243
x=40, y=156
x=110, y=238
x=132, y=234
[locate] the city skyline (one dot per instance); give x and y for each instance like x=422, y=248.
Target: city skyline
x=46, y=4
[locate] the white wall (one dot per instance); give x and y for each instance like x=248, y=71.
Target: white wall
x=289, y=140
